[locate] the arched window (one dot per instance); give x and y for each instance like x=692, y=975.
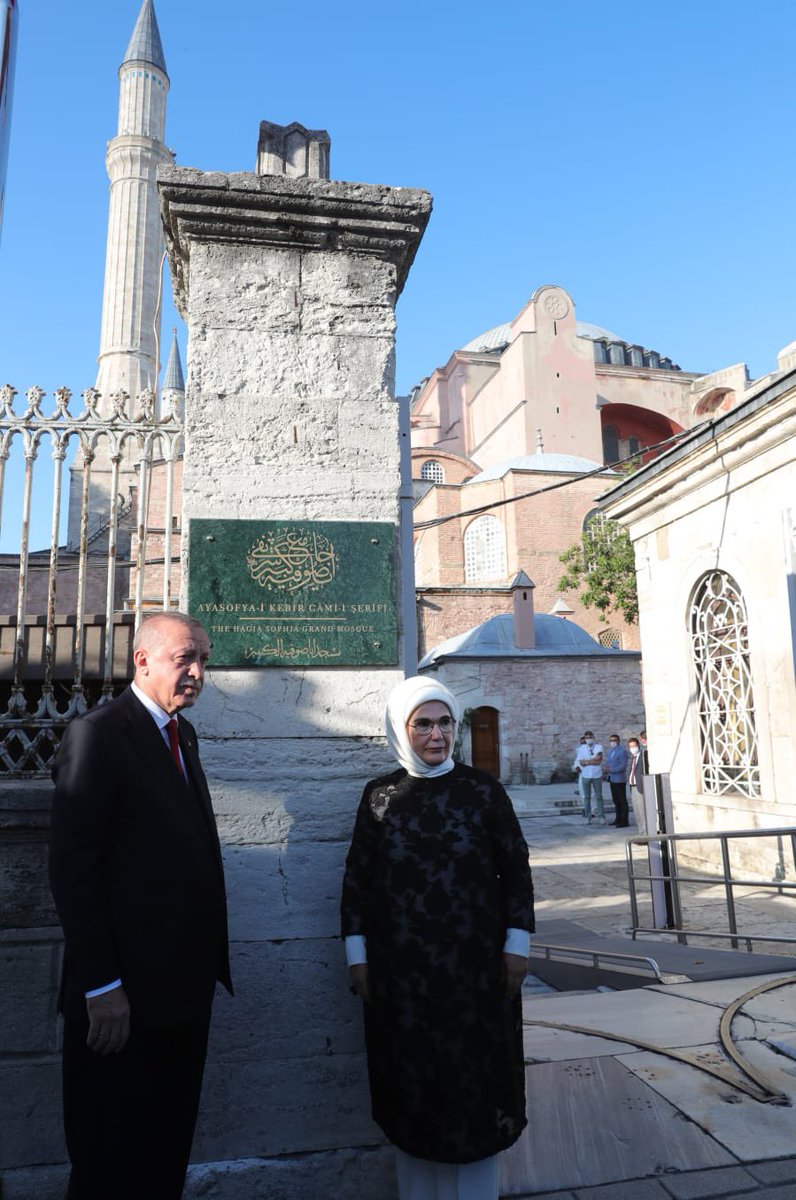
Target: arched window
x=725, y=703
x=483, y=550
x=432, y=471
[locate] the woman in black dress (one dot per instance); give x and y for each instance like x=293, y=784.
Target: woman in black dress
x=437, y=910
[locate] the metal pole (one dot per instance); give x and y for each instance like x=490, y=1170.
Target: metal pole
x=406, y=502
x=82, y=560
x=631, y=883
x=168, y=520
x=58, y=453
x=143, y=487
x=728, y=891
x=31, y=450
x=107, y=681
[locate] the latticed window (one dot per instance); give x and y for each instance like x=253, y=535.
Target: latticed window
x=725, y=703
x=611, y=638
x=484, y=557
x=432, y=471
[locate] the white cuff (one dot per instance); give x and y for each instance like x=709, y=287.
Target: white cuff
x=518, y=941
x=355, y=949
x=109, y=987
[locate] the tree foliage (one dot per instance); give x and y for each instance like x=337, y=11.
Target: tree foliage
x=601, y=566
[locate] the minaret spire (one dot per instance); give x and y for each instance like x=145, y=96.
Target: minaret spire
x=145, y=45
x=174, y=380
x=127, y=358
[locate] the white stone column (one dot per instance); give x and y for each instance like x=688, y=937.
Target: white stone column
x=288, y=288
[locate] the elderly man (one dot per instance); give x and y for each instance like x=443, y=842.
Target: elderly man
x=136, y=873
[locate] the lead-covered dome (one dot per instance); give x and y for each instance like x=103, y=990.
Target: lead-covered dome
x=494, y=638
x=561, y=464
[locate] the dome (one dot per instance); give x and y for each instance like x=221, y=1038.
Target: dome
x=500, y=336
x=495, y=639
x=566, y=464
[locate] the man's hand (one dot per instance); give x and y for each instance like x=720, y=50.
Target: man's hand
x=108, y=1022
x=360, y=981
x=515, y=968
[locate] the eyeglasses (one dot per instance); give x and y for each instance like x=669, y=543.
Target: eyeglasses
x=425, y=727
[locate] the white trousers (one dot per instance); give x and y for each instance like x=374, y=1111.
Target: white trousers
x=422, y=1180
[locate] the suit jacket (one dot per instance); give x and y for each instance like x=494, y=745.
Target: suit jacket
x=615, y=764
x=135, y=868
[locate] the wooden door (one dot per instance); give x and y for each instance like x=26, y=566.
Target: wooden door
x=485, y=740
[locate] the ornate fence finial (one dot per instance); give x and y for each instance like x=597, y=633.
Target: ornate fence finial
x=119, y=405
x=91, y=398
x=34, y=395
x=7, y=394
x=171, y=406
x=62, y=397
x=146, y=403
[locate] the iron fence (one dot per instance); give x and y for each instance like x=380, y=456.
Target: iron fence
x=115, y=447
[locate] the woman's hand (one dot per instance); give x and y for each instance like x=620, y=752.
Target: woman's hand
x=360, y=981
x=515, y=968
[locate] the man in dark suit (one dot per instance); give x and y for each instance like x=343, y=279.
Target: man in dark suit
x=136, y=873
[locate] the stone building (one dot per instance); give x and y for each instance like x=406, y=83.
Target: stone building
x=528, y=684
x=713, y=525
x=540, y=401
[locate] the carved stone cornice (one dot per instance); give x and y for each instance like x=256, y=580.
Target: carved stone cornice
x=287, y=213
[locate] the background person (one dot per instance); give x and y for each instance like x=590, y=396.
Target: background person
x=616, y=772
x=437, y=909
x=576, y=769
x=136, y=874
x=589, y=757
x=635, y=782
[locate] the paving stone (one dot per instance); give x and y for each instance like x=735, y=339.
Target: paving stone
x=551, y=1196
x=774, y=1172
x=775, y=1193
x=726, y=1181
x=634, y=1189
x=646, y=1138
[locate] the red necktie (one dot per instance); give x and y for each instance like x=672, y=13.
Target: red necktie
x=174, y=742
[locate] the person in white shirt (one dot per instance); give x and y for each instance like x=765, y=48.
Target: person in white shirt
x=589, y=758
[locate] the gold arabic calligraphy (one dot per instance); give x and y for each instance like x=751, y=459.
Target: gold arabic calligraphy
x=292, y=560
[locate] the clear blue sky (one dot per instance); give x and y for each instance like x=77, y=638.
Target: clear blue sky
x=638, y=153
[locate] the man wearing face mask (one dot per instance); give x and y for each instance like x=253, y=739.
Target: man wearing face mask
x=590, y=757
x=635, y=781
x=616, y=771
x=136, y=874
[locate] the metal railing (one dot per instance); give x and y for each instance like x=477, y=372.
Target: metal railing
x=630, y=964
x=117, y=441
x=671, y=878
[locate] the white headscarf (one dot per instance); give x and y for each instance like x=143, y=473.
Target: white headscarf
x=404, y=699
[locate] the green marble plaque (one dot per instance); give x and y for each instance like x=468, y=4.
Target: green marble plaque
x=294, y=593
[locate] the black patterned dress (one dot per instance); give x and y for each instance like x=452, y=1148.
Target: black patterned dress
x=437, y=871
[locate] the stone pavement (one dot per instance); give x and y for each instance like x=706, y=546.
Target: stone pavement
x=612, y=1120
x=759, y=1181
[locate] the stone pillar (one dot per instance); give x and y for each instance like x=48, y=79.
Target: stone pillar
x=288, y=288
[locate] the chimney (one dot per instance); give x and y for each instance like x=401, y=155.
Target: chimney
x=524, y=631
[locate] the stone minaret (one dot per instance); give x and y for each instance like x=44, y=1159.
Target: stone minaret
x=127, y=357
x=128, y=350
